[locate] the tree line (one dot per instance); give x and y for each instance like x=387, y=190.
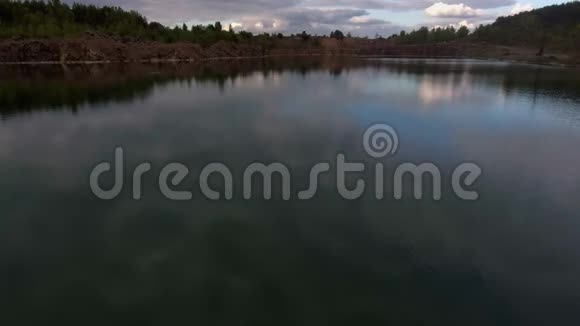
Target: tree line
x=425, y=35
x=556, y=26
x=34, y=18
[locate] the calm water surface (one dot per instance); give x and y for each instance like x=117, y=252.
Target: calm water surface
x=510, y=258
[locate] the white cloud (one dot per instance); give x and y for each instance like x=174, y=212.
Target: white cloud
x=441, y=9
x=365, y=20
x=457, y=25
x=519, y=8
x=464, y=23
x=359, y=20
x=314, y=16
x=401, y=5
x=318, y=21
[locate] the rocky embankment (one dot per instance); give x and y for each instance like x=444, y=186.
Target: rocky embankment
x=107, y=50
x=103, y=49
x=100, y=49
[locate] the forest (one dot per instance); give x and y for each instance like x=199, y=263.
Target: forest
x=556, y=26
x=53, y=18
x=436, y=35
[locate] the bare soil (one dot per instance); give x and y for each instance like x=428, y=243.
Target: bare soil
x=93, y=48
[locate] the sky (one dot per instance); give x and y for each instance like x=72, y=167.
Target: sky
x=359, y=17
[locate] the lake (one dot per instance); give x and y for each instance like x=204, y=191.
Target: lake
x=510, y=257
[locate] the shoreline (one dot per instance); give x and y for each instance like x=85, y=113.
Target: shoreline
x=88, y=51
x=176, y=61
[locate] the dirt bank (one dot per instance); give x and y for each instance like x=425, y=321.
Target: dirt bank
x=110, y=50
x=94, y=48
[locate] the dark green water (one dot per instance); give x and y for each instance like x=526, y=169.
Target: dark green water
x=510, y=258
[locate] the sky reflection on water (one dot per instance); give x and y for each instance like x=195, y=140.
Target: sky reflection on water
x=511, y=258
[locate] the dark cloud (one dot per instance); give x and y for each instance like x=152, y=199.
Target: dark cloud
x=404, y=5
x=362, y=4
x=331, y=17
x=320, y=21
x=291, y=16
x=174, y=11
